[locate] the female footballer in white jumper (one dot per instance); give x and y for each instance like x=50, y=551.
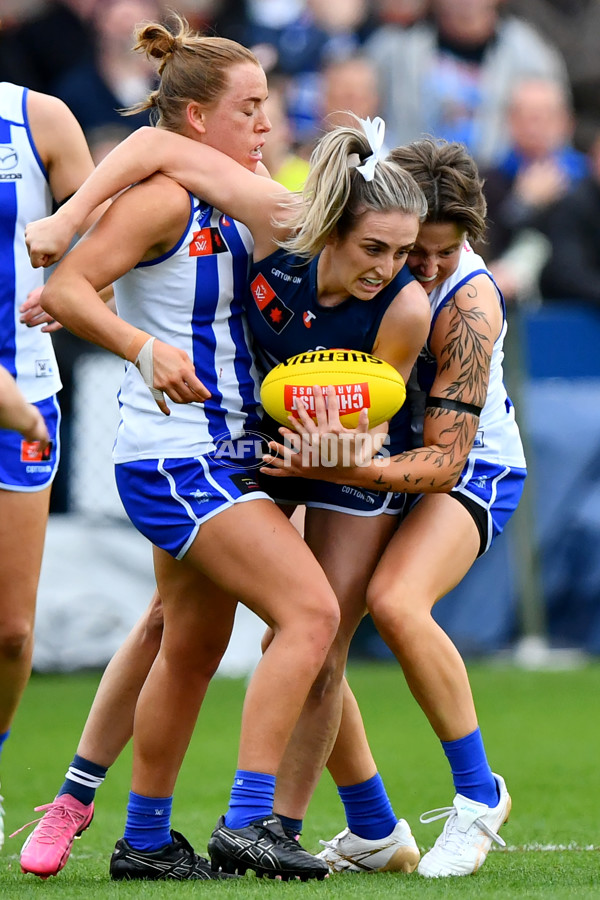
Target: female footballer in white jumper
x=180, y=271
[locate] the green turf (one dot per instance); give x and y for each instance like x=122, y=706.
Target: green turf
x=541, y=733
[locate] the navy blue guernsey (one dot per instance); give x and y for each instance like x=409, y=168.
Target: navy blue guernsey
x=285, y=318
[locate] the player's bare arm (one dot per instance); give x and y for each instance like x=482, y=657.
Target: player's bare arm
x=105, y=253
x=205, y=172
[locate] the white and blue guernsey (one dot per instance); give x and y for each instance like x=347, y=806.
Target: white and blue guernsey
x=27, y=353
x=170, y=472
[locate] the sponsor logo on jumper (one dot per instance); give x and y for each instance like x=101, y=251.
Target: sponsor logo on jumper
x=360, y=495
x=8, y=158
x=351, y=397
x=206, y=242
x=245, y=483
x=285, y=276
x=273, y=310
x=307, y=317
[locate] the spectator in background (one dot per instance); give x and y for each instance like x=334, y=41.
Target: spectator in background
x=573, y=229
x=348, y=84
x=115, y=78
x=451, y=75
x=574, y=27
x=280, y=156
x=297, y=38
x=42, y=39
x=400, y=12
x=538, y=168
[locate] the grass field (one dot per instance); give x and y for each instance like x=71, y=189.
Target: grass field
x=541, y=731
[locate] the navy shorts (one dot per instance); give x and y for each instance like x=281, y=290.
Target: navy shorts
x=168, y=499
x=355, y=501
x=22, y=466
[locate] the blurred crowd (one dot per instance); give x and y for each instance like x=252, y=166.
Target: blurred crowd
x=517, y=81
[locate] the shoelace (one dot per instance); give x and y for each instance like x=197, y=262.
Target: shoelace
x=449, y=835
x=333, y=843
x=285, y=841
x=51, y=829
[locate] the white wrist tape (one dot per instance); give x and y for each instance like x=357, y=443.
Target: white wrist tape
x=145, y=364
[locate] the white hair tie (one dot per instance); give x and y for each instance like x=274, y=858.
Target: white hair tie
x=375, y=132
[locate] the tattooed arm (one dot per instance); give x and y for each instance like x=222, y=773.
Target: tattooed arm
x=462, y=342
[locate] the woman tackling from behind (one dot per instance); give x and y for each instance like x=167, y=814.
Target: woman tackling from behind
x=467, y=479
x=357, y=225
x=180, y=268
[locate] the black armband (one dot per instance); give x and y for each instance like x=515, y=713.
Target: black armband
x=455, y=405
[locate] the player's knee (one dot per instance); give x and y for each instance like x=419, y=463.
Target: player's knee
x=320, y=612
x=16, y=637
x=199, y=659
x=388, y=612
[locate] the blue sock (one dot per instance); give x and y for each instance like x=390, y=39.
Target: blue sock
x=148, y=825
x=82, y=779
x=291, y=825
x=251, y=798
x=368, y=809
x=471, y=772
x=3, y=737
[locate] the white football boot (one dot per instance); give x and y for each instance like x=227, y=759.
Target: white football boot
x=467, y=836
x=346, y=852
